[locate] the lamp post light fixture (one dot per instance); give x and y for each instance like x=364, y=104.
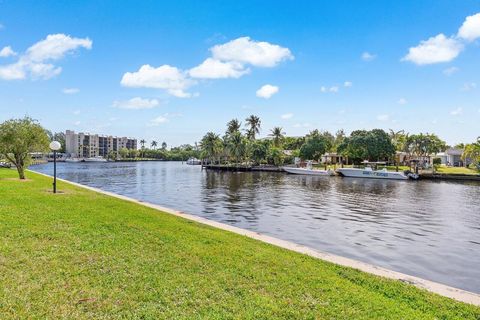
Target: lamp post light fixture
x=55, y=146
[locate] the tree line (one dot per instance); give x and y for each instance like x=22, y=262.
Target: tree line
x=239, y=145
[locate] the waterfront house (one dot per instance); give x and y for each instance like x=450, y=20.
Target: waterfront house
x=332, y=157
x=453, y=157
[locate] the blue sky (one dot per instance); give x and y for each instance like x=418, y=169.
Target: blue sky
x=327, y=65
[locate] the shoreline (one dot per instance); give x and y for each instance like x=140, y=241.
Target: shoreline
x=431, y=286
x=423, y=176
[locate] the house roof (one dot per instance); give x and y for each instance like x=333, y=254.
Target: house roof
x=454, y=152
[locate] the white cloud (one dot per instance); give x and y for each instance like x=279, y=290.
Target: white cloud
x=7, y=52
x=228, y=60
x=287, y=116
x=468, y=86
x=164, y=77
x=267, y=91
x=383, y=117
x=402, y=101
x=434, y=50
x=32, y=62
x=450, y=71
x=136, y=103
x=347, y=84
x=256, y=53
x=470, y=29
x=55, y=47
x=70, y=90
x=76, y=112
x=216, y=69
x=333, y=89
x=457, y=111
x=158, y=121
x=77, y=123
x=443, y=49
x=302, y=125
x=366, y=56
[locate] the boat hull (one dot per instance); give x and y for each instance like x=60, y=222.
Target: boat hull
x=194, y=161
x=371, y=174
x=95, y=160
x=309, y=172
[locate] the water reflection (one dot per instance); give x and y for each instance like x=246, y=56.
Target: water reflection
x=428, y=229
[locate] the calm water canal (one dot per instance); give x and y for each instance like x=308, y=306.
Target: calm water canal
x=423, y=228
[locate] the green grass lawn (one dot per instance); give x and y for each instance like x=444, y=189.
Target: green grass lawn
x=84, y=255
x=456, y=170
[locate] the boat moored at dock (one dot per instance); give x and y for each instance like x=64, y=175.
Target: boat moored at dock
x=194, y=161
x=95, y=159
x=309, y=171
x=370, y=172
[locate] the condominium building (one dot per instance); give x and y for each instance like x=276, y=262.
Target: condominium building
x=86, y=145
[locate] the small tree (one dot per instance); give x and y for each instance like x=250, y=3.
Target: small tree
x=276, y=156
x=19, y=138
x=258, y=151
x=123, y=153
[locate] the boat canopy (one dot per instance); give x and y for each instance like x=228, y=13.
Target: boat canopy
x=374, y=162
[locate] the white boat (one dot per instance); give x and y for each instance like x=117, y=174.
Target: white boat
x=73, y=160
x=368, y=172
x=194, y=161
x=308, y=171
x=95, y=159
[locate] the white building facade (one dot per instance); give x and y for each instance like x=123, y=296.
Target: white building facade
x=86, y=145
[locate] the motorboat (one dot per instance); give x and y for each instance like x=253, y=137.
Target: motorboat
x=95, y=159
x=73, y=160
x=194, y=161
x=370, y=172
x=309, y=170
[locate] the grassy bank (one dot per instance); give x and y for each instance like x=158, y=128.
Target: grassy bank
x=456, y=170
x=83, y=255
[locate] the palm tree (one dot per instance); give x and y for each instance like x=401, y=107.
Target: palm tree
x=153, y=144
x=142, y=143
x=164, y=145
x=277, y=135
x=472, y=152
x=398, y=139
x=211, y=145
x=254, y=126
x=233, y=126
x=236, y=146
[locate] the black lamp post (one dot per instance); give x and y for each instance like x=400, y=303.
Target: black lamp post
x=55, y=146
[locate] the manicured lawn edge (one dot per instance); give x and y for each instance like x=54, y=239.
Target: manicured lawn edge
x=434, y=287
x=355, y=294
